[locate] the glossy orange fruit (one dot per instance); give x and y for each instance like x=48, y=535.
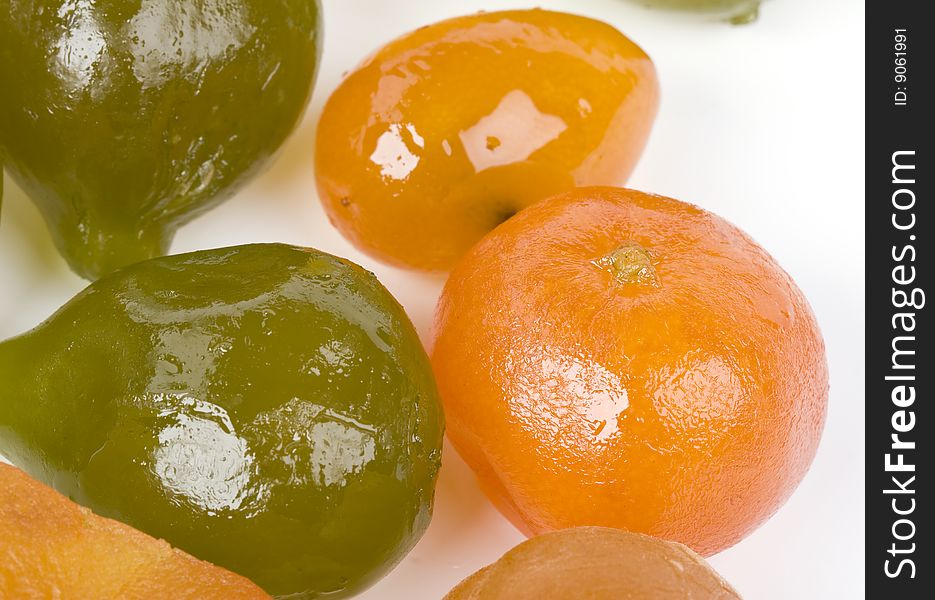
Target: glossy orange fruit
x=448, y=131
x=609, y=357
x=596, y=563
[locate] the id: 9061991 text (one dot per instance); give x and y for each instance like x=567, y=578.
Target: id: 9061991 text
x=901, y=67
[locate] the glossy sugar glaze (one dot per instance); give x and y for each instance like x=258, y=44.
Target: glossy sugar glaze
x=448, y=131
x=266, y=408
x=614, y=358
x=124, y=119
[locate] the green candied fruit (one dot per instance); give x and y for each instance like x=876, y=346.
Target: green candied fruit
x=124, y=119
x=266, y=408
x=735, y=11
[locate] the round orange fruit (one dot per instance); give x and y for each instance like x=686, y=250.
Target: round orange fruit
x=448, y=131
x=596, y=563
x=608, y=357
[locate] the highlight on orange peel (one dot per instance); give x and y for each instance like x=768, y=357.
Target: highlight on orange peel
x=608, y=357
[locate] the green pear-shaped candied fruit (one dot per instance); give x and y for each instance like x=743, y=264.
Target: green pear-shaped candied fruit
x=124, y=119
x=266, y=408
x=734, y=11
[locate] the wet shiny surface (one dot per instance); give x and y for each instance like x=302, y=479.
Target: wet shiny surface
x=643, y=365
x=266, y=408
x=446, y=132
x=123, y=120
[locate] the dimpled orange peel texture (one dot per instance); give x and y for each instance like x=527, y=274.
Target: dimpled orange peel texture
x=449, y=130
x=613, y=358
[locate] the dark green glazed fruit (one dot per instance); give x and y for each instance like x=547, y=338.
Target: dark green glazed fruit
x=266, y=408
x=735, y=11
x=123, y=119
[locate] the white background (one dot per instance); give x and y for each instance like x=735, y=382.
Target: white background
x=762, y=124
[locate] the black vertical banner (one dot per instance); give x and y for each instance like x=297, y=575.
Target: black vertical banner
x=900, y=270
